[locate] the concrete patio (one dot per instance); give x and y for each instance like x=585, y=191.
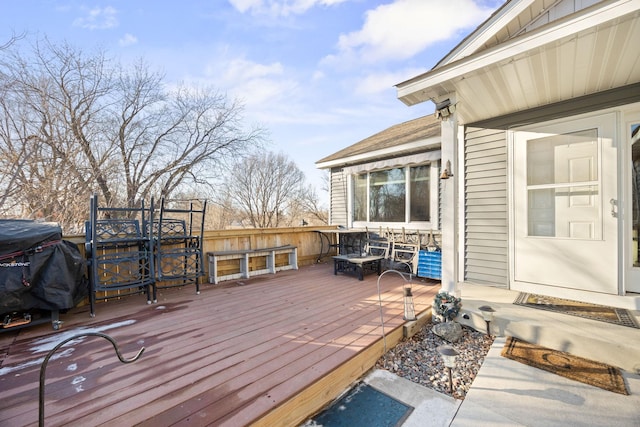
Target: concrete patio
x=509, y=393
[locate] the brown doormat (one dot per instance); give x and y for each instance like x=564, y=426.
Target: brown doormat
x=567, y=365
x=617, y=316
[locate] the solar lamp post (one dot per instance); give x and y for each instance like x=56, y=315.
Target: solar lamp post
x=487, y=315
x=448, y=355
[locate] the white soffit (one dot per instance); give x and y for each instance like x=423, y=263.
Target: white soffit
x=591, y=51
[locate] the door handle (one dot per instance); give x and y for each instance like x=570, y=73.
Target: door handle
x=614, y=205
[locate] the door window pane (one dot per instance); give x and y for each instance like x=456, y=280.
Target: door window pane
x=562, y=184
x=541, y=212
x=561, y=159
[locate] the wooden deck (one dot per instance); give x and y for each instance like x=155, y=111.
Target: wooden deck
x=267, y=351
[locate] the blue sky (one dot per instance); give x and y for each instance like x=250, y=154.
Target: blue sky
x=318, y=74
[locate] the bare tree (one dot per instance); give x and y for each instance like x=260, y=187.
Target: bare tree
x=263, y=187
x=165, y=140
x=11, y=162
x=312, y=208
x=87, y=125
x=51, y=115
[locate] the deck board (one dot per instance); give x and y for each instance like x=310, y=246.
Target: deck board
x=229, y=356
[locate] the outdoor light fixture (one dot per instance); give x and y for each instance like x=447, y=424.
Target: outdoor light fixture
x=409, y=309
x=448, y=354
x=446, y=173
x=444, y=109
x=487, y=315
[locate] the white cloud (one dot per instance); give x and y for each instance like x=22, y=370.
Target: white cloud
x=280, y=7
x=128, y=40
x=244, y=5
x=243, y=69
x=318, y=75
x=404, y=28
x=98, y=19
x=258, y=85
x=376, y=83
x=262, y=88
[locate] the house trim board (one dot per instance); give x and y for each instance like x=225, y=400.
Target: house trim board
x=630, y=275
x=449, y=208
x=461, y=226
x=571, y=107
x=488, y=29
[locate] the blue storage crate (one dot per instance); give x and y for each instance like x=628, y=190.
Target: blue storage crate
x=430, y=264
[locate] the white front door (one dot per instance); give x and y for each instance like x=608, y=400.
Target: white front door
x=565, y=205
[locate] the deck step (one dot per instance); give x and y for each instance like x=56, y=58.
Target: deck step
x=605, y=342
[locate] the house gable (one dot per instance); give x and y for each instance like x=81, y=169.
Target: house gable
x=511, y=20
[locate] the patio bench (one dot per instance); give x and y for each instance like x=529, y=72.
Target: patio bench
x=252, y=262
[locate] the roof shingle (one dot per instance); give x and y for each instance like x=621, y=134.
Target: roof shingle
x=394, y=136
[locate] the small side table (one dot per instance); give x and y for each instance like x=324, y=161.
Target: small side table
x=357, y=264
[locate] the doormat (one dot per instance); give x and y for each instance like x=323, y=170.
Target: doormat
x=363, y=406
x=617, y=316
x=566, y=365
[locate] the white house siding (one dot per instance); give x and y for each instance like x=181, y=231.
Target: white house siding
x=338, y=197
x=486, y=220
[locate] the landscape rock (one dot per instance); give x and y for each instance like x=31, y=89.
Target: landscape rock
x=450, y=331
x=417, y=359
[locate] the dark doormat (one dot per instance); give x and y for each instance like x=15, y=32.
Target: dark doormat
x=567, y=365
x=617, y=316
x=363, y=406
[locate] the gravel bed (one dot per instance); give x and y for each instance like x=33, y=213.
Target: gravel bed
x=417, y=359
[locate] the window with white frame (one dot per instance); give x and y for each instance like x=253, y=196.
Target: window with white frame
x=400, y=194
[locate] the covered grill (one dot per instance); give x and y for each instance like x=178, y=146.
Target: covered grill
x=39, y=271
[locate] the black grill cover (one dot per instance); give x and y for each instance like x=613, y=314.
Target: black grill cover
x=39, y=270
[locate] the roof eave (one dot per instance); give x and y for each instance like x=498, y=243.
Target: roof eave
x=435, y=84
x=420, y=145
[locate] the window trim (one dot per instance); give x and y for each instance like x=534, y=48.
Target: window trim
x=434, y=196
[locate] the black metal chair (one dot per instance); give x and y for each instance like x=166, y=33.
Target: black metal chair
x=178, y=232
x=119, y=250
